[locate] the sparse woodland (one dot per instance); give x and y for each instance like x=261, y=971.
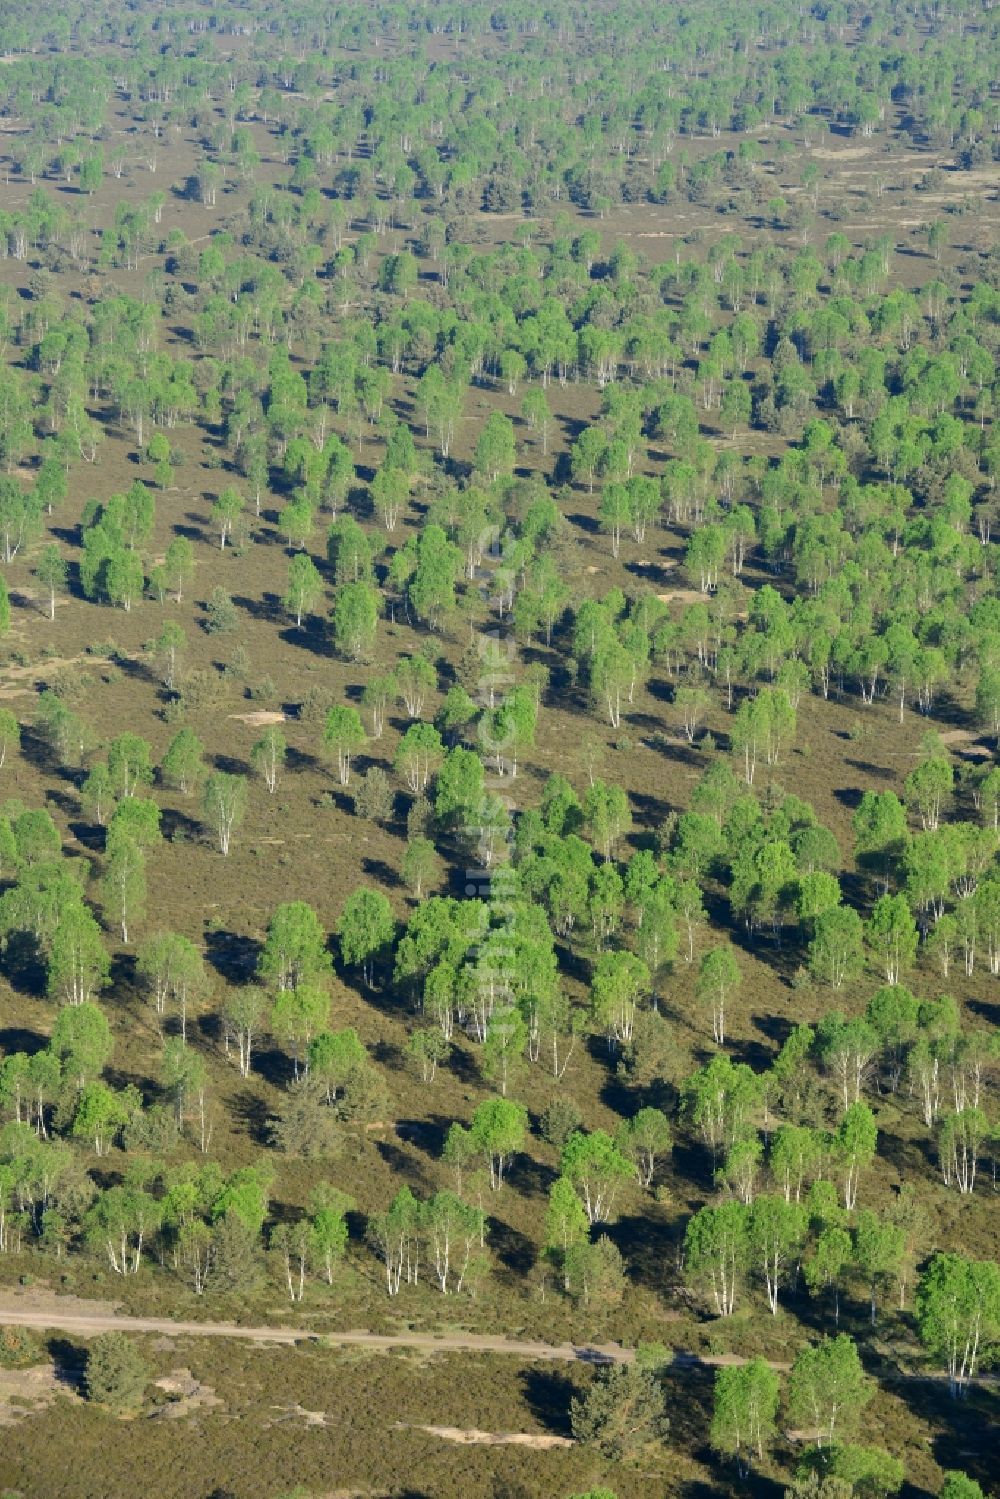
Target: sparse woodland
x=499, y=733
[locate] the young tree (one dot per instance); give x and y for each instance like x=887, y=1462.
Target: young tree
x=124, y=579
x=452, y=1228
x=51, y=572
x=124, y=884
x=328, y=1207
x=825, y=1267
x=81, y=1039
x=291, y=1244
x=691, y=704
x=130, y=765
x=183, y=765
x=418, y=756
x=376, y=697
x=828, y=1389
x=497, y=1132
x=796, y=1152
x=100, y=1114
x=226, y=511
x=891, y=936
x=224, y=802
x=620, y=980
x=615, y=513
x=744, y=1410
x=305, y=587
x=178, y=562
x=847, y=1049
x=607, y=815
x=355, y=619
x=420, y=865
x=644, y=1138
x=10, y=734
x=718, y=976
x=960, y=1139
x=461, y=785
x=717, y=1249
x=597, y=1168
x=537, y=413
x=390, y=493
x=414, y=677
x=242, y=1018
x=366, y=929
x=395, y=1235
x=855, y=1144
x=294, y=950
x=428, y=1049
x=878, y=1250
x=268, y=756
x=296, y=522
x=136, y=818
x=960, y=1486
x=343, y=733
x=596, y=1272
x=496, y=451
x=504, y=1045
x=958, y=1314
x=169, y=650
x=79, y=966
x=173, y=970
x=835, y=950
x=777, y=1229
x=298, y=1015
x=719, y=1100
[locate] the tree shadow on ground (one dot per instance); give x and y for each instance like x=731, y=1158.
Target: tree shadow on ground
x=404, y=1164
x=646, y=1244
x=532, y=1178
x=426, y=1135
x=378, y=869
x=19, y=1038
x=90, y=836
x=69, y=1361
x=251, y=1111
x=547, y=1394
x=24, y=964
x=275, y=1066
x=515, y=1251
x=174, y=822
x=233, y=955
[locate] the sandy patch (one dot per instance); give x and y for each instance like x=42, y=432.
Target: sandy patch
x=684, y=596
x=967, y=742
x=842, y=153
x=41, y=1298
x=469, y=1436
x=298, y=1413
x=28, y=1392
x=259, y=718
x=186, y=1395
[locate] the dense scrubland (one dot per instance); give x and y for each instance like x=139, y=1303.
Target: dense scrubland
x=500, y=688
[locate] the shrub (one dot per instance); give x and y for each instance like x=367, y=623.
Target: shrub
x=116, y=1373
x=374, y=797
x=620, y=1413
x=561, y=1119
x=18, y=1348
x=221, y=614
